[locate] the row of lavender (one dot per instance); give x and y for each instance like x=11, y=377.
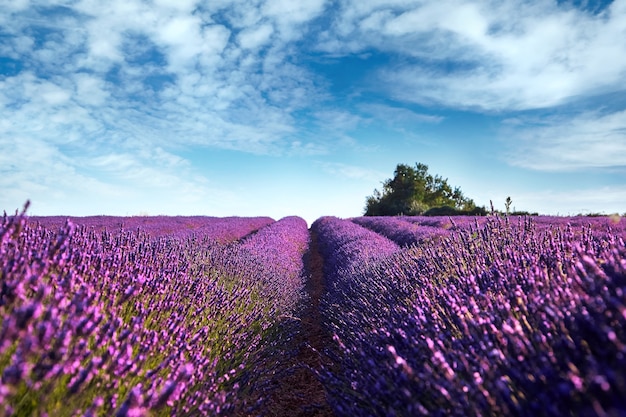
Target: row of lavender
x=499, y=318
x=407, y=232
x=128, y=324
x=415, y=230
x=221, y=229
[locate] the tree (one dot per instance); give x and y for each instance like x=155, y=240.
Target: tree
x=413, y=191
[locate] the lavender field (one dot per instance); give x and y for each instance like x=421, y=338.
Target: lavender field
x=368, y=316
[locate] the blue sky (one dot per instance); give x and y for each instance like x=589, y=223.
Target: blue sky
x=278, y=107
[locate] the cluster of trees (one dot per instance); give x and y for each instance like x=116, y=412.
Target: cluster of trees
x=413, y=191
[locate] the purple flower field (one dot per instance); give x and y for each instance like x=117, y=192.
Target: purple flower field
x=221, y=229
x=500, y=318
x=191, y=316
x=405, y=232
x=124, y=323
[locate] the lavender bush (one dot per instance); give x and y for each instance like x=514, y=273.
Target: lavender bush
x=579, y=224
x=403, y=232
x=350, y=305
x=346, y=245
x=442, y=222
x=281, y=246
x=127, y=324
x=347, y=249
x=498, y=319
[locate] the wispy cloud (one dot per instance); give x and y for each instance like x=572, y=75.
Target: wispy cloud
x=348, y=171
x=169, y=65
x=560, y=143
x=107, y=93
x=337, y=120
x=66, y=181
x=486, y=55
x=255, y=37
x=607, y=200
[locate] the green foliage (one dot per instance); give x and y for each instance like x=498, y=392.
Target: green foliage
x=524, y=213
x=413, y=191
x=451, y=211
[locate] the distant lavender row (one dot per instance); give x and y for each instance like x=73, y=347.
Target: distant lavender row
x=346, y=245
x=600, y=223
x=347, y=249
x=402, y=232
x=127, y=324
x=615, y=224
x=281, y=245
x=501, y=319
x=221, y=229
x=444, y=222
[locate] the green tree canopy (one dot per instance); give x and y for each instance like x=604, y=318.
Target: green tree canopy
x=413, y=191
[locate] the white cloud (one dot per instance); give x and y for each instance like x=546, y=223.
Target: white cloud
x=33, y=167
x=180, y=29
x=288, y=12
x=105, y=45
x=337, y=120
x=15, y=5
x=49, y=111
x=466, y=20
x=90, y=90
x=255, y=37
x=241, y=14
x=488, y=55
x=307, y=148
x=123, y=183
x=187, y=39
x=607, y=200
x=52, y=94
x=158, y=171
x=210, y=91
x=181, y=6
x=590, y=140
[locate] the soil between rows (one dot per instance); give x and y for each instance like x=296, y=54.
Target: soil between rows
x=298, y=392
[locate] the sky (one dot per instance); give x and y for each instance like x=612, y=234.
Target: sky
x=281, y=107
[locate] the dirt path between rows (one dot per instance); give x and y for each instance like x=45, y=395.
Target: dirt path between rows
x=299, y=393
